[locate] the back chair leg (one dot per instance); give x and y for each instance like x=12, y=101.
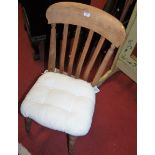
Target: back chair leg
x=28, y=123
x=71, y=141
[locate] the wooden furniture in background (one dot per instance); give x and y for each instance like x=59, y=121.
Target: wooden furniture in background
x=36, y=23
x=86, y=19
x=125, y=59
x=121, y=9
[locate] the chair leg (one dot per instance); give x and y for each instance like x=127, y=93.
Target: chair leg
x=28, y=123
x=71, y=141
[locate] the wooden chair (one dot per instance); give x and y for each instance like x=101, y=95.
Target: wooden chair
x=95, y=21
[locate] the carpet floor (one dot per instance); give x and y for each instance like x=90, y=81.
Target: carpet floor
x=114, y=127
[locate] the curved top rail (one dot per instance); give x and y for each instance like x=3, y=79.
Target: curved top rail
x=87, y=16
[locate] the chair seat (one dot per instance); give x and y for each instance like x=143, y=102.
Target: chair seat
x=60, y=102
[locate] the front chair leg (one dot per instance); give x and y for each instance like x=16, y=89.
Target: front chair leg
x=71, y=141
x=28, y=123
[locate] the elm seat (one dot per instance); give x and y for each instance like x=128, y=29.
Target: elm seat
x=60, y=102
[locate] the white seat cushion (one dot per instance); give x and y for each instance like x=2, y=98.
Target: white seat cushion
x=60, y=102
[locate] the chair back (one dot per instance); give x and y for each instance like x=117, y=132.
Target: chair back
x=88, y=21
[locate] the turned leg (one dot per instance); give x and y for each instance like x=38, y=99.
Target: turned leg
x=71, y=141
x=28, y=123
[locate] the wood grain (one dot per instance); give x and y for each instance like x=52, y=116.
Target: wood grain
x=83, y=55
x=63, y=47
x=52, y=51
x=71, y=142
x=73, y=51
x=103, y=65
x=28, y=123
x=93, y=58
x=87, y=16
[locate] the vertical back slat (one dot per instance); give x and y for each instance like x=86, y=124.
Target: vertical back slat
x=93, y=58
x=84, y=52
x=103, y=64
x=52, y=51
x=73, y=51
x=63, y=47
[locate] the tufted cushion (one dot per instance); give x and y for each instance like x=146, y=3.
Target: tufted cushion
x=60, y=102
